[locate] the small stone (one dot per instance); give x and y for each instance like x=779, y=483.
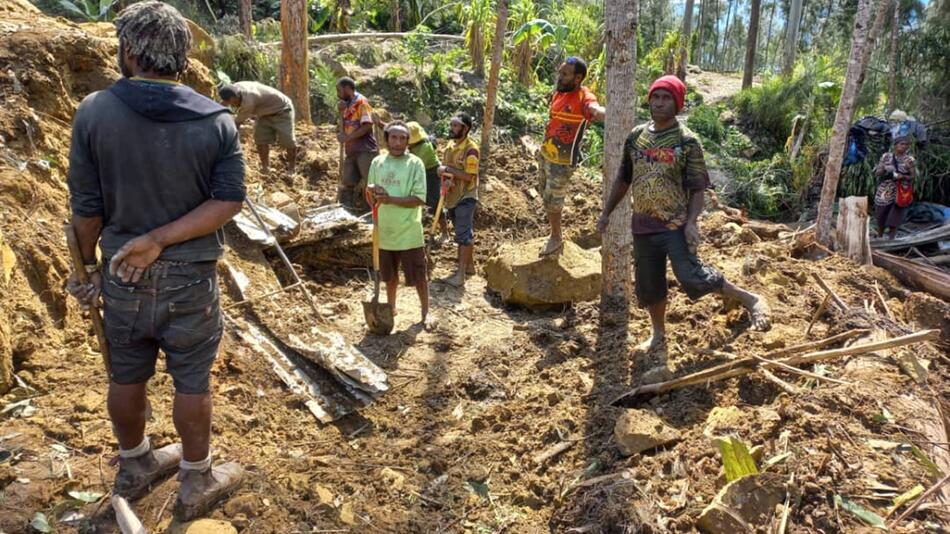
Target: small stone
x=346, y=514
x=395, y=479
x=324, y=496
x=774, y=339
x=743, y=505
x=660, y=373
x=209, y=526
x=640, y=430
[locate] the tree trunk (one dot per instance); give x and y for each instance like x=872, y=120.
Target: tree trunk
x=839, y=135
x=715, y=34
x=621, y=65
x=294, y=71
x=768, y=38
x=685, y=40
x=725, y=37
x=247, y=24
x=497, y=48
x=877, y=28
x=750, y=45
x=791, y=36
x=892, y=67
x=395, y=16
x=698, y=51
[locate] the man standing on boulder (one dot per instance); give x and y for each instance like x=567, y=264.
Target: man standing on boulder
x=155, y=170
x=572, y=107
x=273, y=114
x=397, y=183
x=360, y=146
x=664, y=169
x=460, y=172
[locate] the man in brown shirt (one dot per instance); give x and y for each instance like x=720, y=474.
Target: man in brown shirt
x=273, y=115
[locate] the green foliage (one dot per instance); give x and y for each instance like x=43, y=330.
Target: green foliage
x=812, y=90
x=477, y=17
x=323, y=97
x=89, y=10
x=242, y=60
x=704, y=120
x=766, y=188
x=267, y=30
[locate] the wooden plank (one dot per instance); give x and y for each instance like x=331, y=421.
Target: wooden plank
x=922, y=277
x=940, y=233
x=852, y=229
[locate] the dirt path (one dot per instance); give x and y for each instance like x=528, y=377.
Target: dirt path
x=715, y=86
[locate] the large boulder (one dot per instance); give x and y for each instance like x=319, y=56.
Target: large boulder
x=638, y=431
x=520, y=276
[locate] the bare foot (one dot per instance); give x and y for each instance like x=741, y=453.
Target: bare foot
x=456, y=280
x=761, y=314
x=553, y=245
x=429, y=323
x=655, y=342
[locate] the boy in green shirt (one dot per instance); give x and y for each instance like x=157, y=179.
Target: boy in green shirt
x=397, y=184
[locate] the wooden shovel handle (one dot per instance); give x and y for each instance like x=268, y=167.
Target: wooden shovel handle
x=73, y=243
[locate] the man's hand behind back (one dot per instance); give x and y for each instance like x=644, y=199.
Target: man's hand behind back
x=87, y=294
x=131, y=261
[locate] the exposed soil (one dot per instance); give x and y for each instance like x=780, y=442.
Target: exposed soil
x=449, y=448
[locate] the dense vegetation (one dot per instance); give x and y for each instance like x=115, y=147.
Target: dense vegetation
x=753, y=148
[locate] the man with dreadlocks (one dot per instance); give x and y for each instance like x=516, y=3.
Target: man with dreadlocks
x=155, y=170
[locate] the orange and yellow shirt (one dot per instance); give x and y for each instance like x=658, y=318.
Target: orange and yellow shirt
x=570, y=113
x=357, y=113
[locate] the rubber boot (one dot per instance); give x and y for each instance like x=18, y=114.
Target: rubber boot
x=136, y=475
x=200, y=490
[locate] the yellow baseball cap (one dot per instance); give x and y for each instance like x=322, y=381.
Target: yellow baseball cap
x=416, y=132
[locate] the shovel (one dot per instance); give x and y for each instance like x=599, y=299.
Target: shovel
x=438, y=209
x=379, y=316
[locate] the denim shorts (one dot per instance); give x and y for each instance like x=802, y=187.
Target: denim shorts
x=649, y=256
x=463, y=220
x=175, y=308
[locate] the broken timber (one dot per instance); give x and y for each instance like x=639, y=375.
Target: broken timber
x=922, y=277
x=296, y=379
x=347, y=364
x=940, y=233
x=852, y=229
x=744, y=366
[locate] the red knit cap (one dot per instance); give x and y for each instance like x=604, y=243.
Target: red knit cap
x=672, y=84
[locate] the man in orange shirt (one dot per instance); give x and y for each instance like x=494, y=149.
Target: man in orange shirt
x=572, y=107
x=359, y=142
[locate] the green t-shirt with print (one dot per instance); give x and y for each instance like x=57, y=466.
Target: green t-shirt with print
x=404, y=176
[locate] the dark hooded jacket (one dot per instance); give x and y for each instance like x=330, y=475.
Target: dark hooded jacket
x=145, y=153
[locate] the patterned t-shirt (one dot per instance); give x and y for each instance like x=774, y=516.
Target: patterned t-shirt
x=357, y=113
x=570, y=113
x=662, y=169
x=462, y=154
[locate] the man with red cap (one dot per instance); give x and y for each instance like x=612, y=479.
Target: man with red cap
x=664, y=169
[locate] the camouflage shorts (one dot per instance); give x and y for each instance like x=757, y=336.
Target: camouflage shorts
x=555, y=183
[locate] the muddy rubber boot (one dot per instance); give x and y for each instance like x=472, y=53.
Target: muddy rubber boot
x=345, y=197
x=136, y=475
x=200, y=490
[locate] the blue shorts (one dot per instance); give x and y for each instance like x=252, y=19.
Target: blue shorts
x=463, y=219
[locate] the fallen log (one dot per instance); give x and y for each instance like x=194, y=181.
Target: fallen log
x=941, y=233
x=922, y=277
x=339, y=37
x=744, y=366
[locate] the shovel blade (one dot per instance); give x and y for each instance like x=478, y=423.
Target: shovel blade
x=379, y=317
